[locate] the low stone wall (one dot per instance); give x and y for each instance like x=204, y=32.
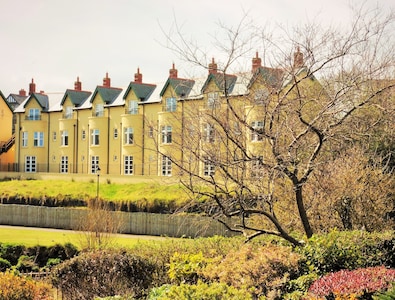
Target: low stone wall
x=133, y=223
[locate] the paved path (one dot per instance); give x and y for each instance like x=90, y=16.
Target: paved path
x=60, y=231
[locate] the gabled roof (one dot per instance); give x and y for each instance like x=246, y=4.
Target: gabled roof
x=5, y=100
x=16, y=99
x=220, y=80
x=182, y=87
x=107, y=94
x=272, y=77
x=41, y=99
x=142, y=90
x=76, y=97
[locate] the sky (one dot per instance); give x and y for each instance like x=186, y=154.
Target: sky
x=56, y=41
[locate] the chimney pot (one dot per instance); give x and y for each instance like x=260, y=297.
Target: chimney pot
x=212, y=67
x=138, y=77
x=32, y=87
x=298, y=58
x=22, y=92
x=173, y=73
x=107, y=81
x=78, y=85
x=256, y=63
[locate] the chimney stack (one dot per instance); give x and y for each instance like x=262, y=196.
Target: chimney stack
x=138, y=78
x=173, y=72
x=256, y=63
x=298, y=58
x=107, y=81
x=32, y=87
x=22, y=92
x=212, y=67
x=78, y=85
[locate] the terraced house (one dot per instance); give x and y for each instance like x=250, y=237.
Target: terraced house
x=142, y=129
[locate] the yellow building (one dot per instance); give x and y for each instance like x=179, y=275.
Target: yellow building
x=141, y=129
x=7, y=139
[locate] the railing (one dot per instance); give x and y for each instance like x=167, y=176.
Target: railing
x=5, y=146
x=131, y=111
x=33, y=118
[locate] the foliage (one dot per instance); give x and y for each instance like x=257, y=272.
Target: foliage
x=27, y=259
x=200, y=290
x=347, y=284
x=14, y=287
x=349, y=250
x=104, y=273
x=296, y=288
x=265, y=269
x=185, y=268
x=388, y=295
x=4, y=264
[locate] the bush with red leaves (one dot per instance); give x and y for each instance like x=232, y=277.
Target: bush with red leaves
x=355, y=283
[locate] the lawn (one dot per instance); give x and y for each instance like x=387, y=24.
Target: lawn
x=143, y=192
x=48, y=237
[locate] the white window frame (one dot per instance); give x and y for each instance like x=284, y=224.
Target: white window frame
x=166, y=166
x=30, y=164
x=95, y=137
x=68, y=112
x=133, y=108
x=38, y=139
x=257, y=126
x=208, y=168
x=99, y=110
x=166, y=134
x=25, y=138
x=64, y=164
x=128, y=168
x=213, y=100
x=64, y=138
x=209, y=133
x=128, y=136
x=94, y=164
x=171, y=104
x=34, y=114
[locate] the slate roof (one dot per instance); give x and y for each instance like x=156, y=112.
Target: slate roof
x=273, y=77
x=76, y=97
x=182, y=87
x=107, y=94
x=220, y=80
x=42, y=99
x=142, y=90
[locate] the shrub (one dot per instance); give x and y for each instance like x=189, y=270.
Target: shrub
x=4, y=264
x=11, y=252
x=103, y=273
x=15, y=287
x=349, y=250
x=346, y=284
x=185, y=268
x=200, y=290
x=263, y=268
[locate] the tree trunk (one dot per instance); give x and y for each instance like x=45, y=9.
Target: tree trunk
x=302, y=210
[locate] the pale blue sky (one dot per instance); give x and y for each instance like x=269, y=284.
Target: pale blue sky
x=54, y=41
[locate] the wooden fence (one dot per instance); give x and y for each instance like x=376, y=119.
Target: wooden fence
x=132, y=223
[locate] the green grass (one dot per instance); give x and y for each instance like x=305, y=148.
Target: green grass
x=48, y=237
x=136, y=192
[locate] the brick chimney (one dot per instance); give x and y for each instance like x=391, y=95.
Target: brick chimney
x=107, y=81
x=173, y=73
x=78, y=85
x=212, y=67
x=256, y=62
x=22, y=92
x=138, y=77
x=32, y=87
x=298, y=58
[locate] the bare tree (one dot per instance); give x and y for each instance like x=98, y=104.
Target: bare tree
x=248, y=156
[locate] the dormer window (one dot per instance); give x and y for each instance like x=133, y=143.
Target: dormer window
x=212, y=100
x=34, y=114
x=99, y=110
x=171, y=104
x=261, y=96
x=133, y=107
